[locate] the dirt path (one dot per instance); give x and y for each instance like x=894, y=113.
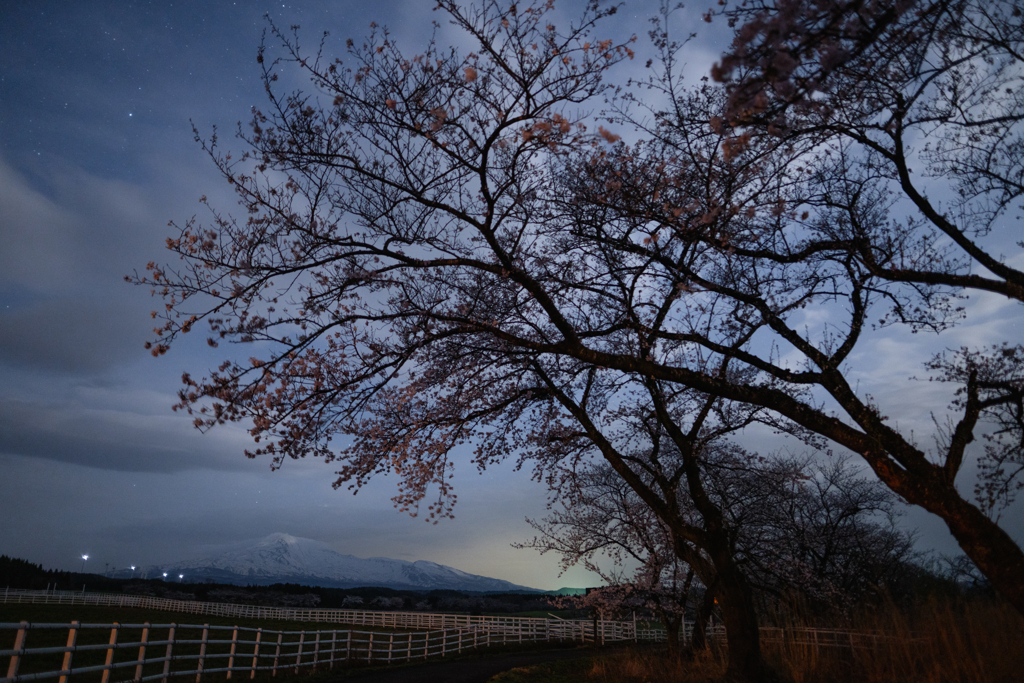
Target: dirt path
x=465, y=670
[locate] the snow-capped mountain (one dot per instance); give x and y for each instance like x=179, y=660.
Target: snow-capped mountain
x=281, y=558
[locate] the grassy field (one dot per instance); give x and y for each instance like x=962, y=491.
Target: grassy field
x=537, y=614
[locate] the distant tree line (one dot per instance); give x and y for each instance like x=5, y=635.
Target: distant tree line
x=17, y=573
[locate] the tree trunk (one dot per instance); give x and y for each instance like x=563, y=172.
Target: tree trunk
x=736, y=601
x=991, y=549
x=672, y=628
x=988, y=546
x=699, y=640
x=998, y=557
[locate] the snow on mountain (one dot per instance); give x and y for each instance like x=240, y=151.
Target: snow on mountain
x=281, y=558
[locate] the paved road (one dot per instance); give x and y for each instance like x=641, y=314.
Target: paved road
x=465, y=670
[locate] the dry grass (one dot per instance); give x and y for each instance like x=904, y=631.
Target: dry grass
x=651, y=666
x=938, y=642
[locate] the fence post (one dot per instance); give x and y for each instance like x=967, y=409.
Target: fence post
x=256, y=653
x=391, y=645
x=408, y=654
x=316, y=651
x=348, y=645
x=369, y=651
x=19, y=645
x=444, y=642
x=234, y=645
x=110, y=654
x=72, y=637
x=298, y=655
x=202, y=651
x=277, y=652
x=167, y=656
x=142, y=650
x=334, y=645
x=460, y=641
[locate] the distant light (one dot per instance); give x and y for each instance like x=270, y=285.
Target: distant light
x=165, y=575
x=133, y=567
x=85, y=557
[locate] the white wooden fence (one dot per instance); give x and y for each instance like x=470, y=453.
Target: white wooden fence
x=526, y=628
x=205, y=654
x=200, y=650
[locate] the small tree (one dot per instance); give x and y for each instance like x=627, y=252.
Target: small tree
x=835, y=540
x=603, y=525
x=816, y=534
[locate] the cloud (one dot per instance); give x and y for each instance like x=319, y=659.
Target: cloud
x=75, y=335
x=35, y=231
x=69, y=239
x=116, y=437
x=68, y=230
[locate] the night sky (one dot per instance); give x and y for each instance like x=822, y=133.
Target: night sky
x=97, y=103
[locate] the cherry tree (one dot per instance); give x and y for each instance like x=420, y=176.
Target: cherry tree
x=601, y=524
x=807, y=534
x=836, y=539
x=794, y=189
x=412, y=267
x=441, y=249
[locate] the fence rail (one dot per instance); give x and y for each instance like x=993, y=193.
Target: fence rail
x=827, y=637
x=531, y=627
x=203, y=649
x=191, y=649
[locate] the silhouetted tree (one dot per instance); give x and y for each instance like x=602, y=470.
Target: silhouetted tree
x=794, y=201
x=816, y=533
x=604, y=526
x=436, y=250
